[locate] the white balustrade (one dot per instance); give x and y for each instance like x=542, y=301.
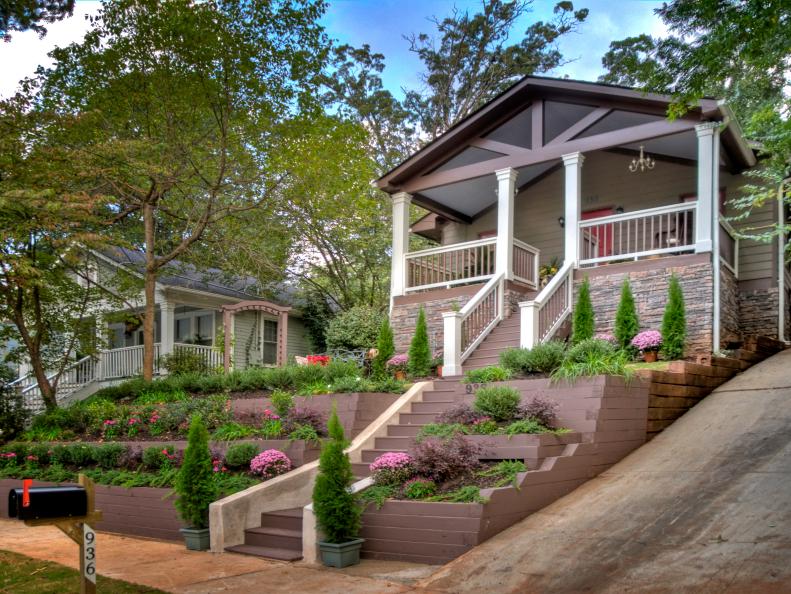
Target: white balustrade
x=526, y=263
x=640, y=234
x=541, y=317
x=456, y=264
x=212, y=356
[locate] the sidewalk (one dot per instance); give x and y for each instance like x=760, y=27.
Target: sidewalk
x=170, y=567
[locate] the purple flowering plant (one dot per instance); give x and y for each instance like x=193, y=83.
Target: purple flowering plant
x=392, y=468
x=647, y=340
x=398, y=362
x=270, y=463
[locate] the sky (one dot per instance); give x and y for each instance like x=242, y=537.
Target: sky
x=382, y=24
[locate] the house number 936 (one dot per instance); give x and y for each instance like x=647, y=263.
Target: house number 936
x=89, y=552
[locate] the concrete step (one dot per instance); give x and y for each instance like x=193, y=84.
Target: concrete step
x=267, y=552
x=276, y=538
x=393, y=444
x=417, y=418
x=360, y=470
x=432, y=407
x=369, y=456
x=290, y=519
x=403, y=430
x=443, y=396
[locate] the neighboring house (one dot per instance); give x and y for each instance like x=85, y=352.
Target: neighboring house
x=507, y=192
x=216, y=315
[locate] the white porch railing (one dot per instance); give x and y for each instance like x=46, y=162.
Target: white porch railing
x=729, y=247
x=212, y=357
x=74, y=377
x=448, y=265
x=125, y=362
x=464, y=330
x=526, y=263
x=541, y=317
x=635, y=235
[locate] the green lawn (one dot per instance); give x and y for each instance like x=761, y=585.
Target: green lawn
x=656, y=366
x=23, y=575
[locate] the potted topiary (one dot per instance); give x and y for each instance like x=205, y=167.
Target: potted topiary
x=195, y=487
x=336, y=508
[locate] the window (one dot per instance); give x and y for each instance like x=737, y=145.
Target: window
x=183, y=329
x=204, y=328
x=270, y=342
x=195, y=327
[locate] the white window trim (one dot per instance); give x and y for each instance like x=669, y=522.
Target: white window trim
x=263, y=319
x=192, y=315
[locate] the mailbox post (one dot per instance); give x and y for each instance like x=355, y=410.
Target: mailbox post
x=72, y=510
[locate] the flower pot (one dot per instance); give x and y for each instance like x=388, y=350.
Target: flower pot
x=342, y=554
x=196, y=539
x=649, y=356
x=400, y=375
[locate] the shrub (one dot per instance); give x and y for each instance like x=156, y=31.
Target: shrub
x=155, y=396
x=501, y=403
x=304, y=433
x=461, y=413
x=272, y=427
x=419, y=363
x=239, y=455
x=282, y=402
x=337, y=512
x=195, y=486
x=441, y=430
x=351, y=384
x=443, y=459
x=78, y=454
x=109, y=455
x=522, y=426
x=392, y=468
x=419, y=488
x=484, y=426
x=583, y=321
x=270, y=463
x=398, y=362
x=310, y=417
x=484, y=375
x=468, y=494
x=542, y=358
x=13, y=413
x=388, y=384
x=156, y=457
x=505, y=472
x=627, y=325
x=336, y=370
x=674, y=324
x=355, y=328
x=647, y=340
x=385, y=348
x=182, y=361
x=542, y=410
x=593, y=357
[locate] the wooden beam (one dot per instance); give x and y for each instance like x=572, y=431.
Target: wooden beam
x=580, y=126
x=537, y=124
x=498, y=147
x=550, y=153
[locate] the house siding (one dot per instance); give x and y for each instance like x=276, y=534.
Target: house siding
x=298, y=341
x=244, y=325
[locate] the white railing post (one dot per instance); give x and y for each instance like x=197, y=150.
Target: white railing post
x=167, y=323
x=572, y=200
x=451, y=364
x=506, y=189
x=528, y=324
x=708, y=184
x=401, y=202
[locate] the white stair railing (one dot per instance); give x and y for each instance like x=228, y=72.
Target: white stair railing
x=465, y=329
x=73, y=377
x=541, y=317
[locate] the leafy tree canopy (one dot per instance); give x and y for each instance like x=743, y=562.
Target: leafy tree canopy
x=28, y=15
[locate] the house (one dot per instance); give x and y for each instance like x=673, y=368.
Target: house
x=218, y=316
x=596, y=178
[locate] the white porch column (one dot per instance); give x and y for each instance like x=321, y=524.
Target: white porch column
x=573, y=205
x=401, y=202
x=167, y=326
x=708, y=185
x=451, y=353
x=506, y=189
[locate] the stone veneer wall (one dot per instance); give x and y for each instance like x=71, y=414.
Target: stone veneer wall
x=758, y=311
x=730, y=329
x=649, y=280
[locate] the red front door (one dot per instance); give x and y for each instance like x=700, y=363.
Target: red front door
x=599, y=244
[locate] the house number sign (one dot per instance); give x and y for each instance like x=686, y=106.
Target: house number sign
x=89, y=553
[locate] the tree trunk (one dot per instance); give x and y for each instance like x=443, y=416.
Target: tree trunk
x=44, y=385
x=150, y=278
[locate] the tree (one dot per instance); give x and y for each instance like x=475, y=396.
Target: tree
x=674, y=324
x=419, y=363
x=472, y=60
x=735, y=50
x=583, y=324
x=385, y=348
x=195, y=484
x=337, y=512
x=24, y=15
x=627, y=324
x=179, y=108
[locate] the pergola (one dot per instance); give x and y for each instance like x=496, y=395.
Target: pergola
x=279, y=311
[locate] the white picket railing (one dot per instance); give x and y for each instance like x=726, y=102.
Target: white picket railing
x=541, y=317
x=464, y=330
x=635, y=235
x=125, y=362
x=729, y=247
x=211, y=356
x=460, y=263
x=526, y=263
x=73, y=377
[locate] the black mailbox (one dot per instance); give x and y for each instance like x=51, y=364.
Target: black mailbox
x=48, y=502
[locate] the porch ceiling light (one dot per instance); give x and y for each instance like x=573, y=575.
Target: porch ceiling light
x=642, y=163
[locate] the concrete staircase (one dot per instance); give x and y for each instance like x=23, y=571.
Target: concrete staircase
x=278, y=537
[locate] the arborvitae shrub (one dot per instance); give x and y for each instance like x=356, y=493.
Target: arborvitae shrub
x=337, y=512
x=583, y=322
x=385, y=347
x=627, y=324
x=674, y=323
x=419, y=364
x=195, y=484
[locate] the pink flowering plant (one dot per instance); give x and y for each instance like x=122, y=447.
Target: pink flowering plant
x=605, y=336
x=270, y=463
x=398, y=362
x=133, y=426
x=392, y=468
x=647, y=340
x=271, y=426
x=110, y=429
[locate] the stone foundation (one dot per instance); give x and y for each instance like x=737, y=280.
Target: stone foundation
x=758, y=311
x=730, y=329
x=649, y=280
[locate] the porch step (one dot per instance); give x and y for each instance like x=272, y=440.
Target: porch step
x=289, y=519
x=267, y=552
x=443, y=396
x=432, y=406
x=360, y=470
x=403, y=430
x=277, y=538
x=417, y=418
x=393, y=444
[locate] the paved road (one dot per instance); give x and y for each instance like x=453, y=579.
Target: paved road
x=704, y=508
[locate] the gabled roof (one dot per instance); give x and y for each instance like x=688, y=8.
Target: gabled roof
x=479, y=144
